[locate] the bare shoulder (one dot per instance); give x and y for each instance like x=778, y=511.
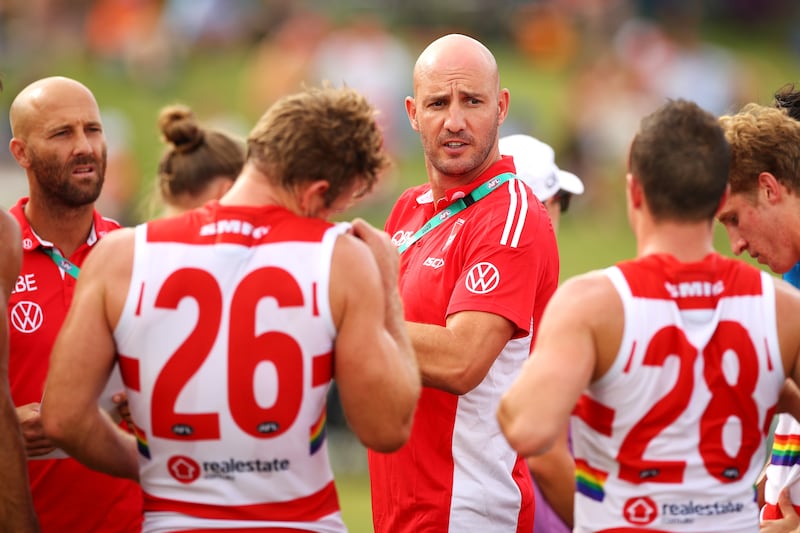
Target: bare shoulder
x=786, y=292
x=114, y=248
x=589, y=303
x=8, y=225
x=351, y=255
x=787, y=307
x=110, y=261
x=9, y=233
x=11, y=250
x=586, y=294
x=354, y=274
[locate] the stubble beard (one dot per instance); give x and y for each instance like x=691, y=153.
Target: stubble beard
x=56, y=182
x=463, y=165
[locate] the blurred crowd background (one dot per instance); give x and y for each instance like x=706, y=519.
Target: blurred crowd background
x=581, y=72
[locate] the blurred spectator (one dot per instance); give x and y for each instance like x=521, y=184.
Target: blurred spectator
x=646, y=62
x=197, y=23
x=281, y=61
x=545, y=33
x=676, y=62
x=124, y=34
x=364, y=55
x=122, y=171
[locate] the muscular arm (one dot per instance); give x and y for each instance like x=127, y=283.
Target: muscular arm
x=82, y=359
x=549, y=473
x=578, y=339
x=375, y=367
x=457, y=357
x=16, y=506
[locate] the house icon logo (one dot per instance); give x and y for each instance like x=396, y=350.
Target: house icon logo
x=640, y=511
x=183, y=469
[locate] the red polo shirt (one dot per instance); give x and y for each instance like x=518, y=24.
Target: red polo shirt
x=68, y=496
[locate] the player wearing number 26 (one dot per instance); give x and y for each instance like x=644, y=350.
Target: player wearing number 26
x=670, y=363
x=230, y=321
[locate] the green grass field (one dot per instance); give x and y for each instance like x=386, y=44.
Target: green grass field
x=355, y=501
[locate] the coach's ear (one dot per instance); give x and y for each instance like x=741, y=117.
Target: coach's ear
x=411, y=111
x=17, y=149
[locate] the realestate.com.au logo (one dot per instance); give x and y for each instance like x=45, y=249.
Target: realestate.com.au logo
x=642, y=510
x=186, y=470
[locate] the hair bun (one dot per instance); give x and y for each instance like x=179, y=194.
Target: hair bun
x=179, y=127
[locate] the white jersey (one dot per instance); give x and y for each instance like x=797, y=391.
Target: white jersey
x=671, y=437
x=225, y=345
x=784, y=467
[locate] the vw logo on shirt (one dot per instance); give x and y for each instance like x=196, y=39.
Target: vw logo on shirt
x=26, y=317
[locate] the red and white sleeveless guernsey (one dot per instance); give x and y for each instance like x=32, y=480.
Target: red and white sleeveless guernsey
x=672, y=437
x=225, y=345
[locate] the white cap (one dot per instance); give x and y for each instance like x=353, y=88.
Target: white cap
x=536, y=166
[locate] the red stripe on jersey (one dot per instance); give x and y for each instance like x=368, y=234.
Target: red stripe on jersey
x=690, y=285
x=631, y=530
x=773, y=512
x=321, y=369
x=129, y=369
x=306, y=509
x=139, y=301
x=630, y=358
x=522, y=477
x=314, y=302
x=769, y=356
x=247, y=226
x=596, y=415
x=248, y=530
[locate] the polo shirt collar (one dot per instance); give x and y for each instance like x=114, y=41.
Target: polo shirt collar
x=31, y=241
x=505, y=164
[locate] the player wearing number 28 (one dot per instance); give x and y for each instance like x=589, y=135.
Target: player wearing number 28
x=229, y=323
x=670, y=363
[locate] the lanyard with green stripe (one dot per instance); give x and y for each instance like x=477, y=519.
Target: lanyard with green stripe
x=479, y=193
x=62, y=262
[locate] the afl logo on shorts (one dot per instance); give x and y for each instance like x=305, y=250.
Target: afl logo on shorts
x=183, y=469
x=640, y=511
x=26, y=317
x=482, y=278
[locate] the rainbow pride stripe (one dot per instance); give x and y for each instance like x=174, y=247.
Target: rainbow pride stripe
x=589, y=481
x=317, y=436
x=141, y=441
x=785, y=450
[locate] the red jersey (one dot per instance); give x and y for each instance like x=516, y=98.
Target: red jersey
x=457, y=471
x=67, y=496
